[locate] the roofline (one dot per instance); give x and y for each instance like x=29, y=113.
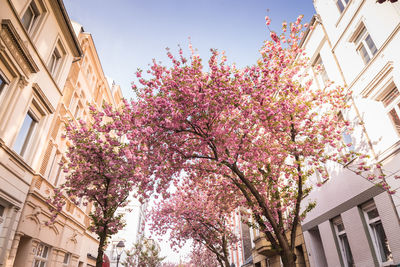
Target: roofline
x=313, y=19
x=70, y=28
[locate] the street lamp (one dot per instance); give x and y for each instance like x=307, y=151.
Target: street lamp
x=120, y=248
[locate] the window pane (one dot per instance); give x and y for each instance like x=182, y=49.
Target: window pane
x=42, y=264
x=28, y=18
x=66, y=258
x=340, y=227
x=383, y=242
x=364, y=54
x=39, y=250
x=372, y=214
x=395, y=119
x=340, y=5
x=2, y=84
x=371, y=44
x=348, y=256
x=24, y=134
x=46, y=249
x=388, y=99
x=37, y=263
x=1, y=210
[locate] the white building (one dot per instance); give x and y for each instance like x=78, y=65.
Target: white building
x=356, y=223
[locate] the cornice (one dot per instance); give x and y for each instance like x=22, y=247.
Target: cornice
x=16, y=45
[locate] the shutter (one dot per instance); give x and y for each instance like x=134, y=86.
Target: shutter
x=46, y=159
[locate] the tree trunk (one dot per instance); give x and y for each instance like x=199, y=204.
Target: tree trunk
x=288, y=258
x=100, y=252
x=226, y=262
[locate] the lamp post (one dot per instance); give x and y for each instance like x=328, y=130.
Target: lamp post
x=120, y=248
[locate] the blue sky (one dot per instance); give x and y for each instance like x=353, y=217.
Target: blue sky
x=129, y=33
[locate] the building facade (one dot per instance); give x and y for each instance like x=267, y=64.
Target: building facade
x=50, y=73
x=356, y=223
x=67, y=242
x=37, y=48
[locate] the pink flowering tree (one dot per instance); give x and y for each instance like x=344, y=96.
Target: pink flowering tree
x=258, y=129
x=199, y=215
x=102, y=171
x=200, y=256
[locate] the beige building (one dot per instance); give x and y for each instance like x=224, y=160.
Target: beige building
x=67, y=242
x=37, y=47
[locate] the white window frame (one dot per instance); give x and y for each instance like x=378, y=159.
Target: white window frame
x=41, y=259
x=30, y=133
x=340, y=233
x=67, y=256
x=4, y=83
x=3, y=215
x=55, y=61
x=320, y=71
x=342, y=6
x=360, y=41
x=375, y=239
x=390, y=99
x=33, y=8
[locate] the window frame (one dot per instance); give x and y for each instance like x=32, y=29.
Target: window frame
x=4, y=83
x=392, y=104
x=33, y=8
x=344, y=4
x=54, y=63
x=59, y=54
x=340, y=233
x=28, y=136
x=372, y=233
x=319, y=68
x=39, y=7
x=68, y=257
x=359, y=39
x=39, y=258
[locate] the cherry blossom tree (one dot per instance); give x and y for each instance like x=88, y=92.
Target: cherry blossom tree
x=102, y=171
x=200, y=256
x=198, y=215
x=261, y=129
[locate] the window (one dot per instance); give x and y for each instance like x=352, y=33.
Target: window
x=76, y=114
x=66, y=258
x=3, y=84
x=391, y=102
x=344, y=245
x=30, y=17
x=341, y=4
x=321, y=74
x=365, y=45
x=54, y=62
x=377, y=233
x=25, y=133
x=2, y=211
x=42, y=252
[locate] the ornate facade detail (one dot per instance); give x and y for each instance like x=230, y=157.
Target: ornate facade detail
x=17, y=47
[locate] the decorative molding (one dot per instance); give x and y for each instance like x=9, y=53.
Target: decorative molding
x=379, y=77
x=22, y=82
x=38, y=91
x=17, y=47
